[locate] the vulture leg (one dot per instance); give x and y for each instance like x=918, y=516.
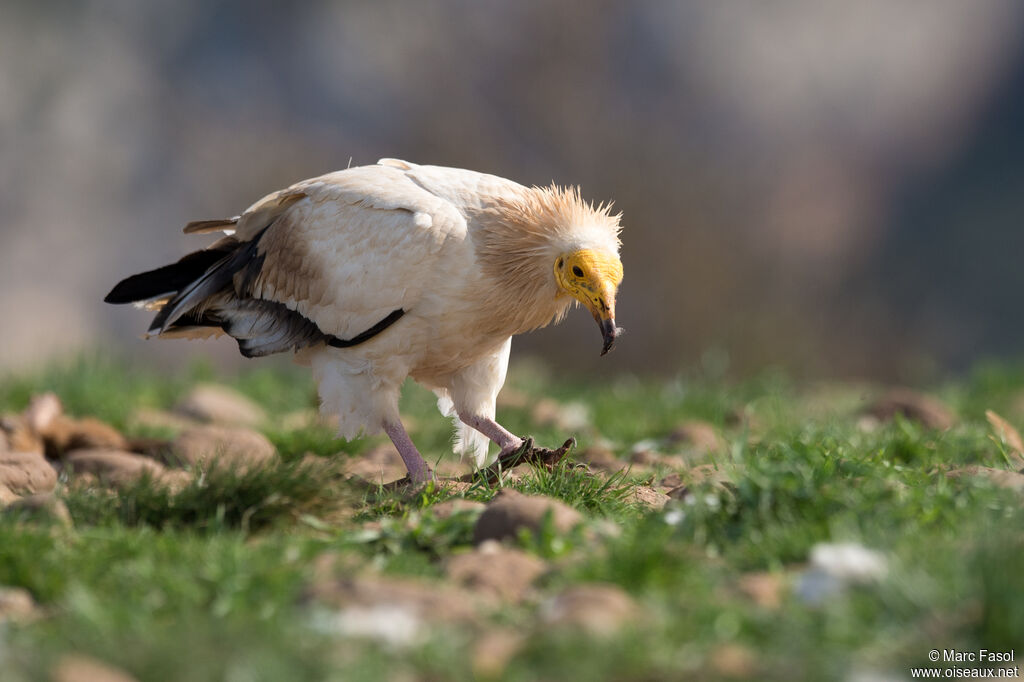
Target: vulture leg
x=507, y=441
x=419, y=471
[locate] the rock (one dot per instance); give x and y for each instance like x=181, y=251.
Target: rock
x=1001, y=478
x=765, y=589
x=45, y=506
x=425, y=601
x=494, y=650
x=42, y=410
x=380, y=464
x=16, y=604
x=671, y=481
x=64, y=434
x=595, y=608
x=695, y=435
x=1009, y=436
x=19, y=436
x=161, y=419
x=510, y=511
x=699, y=475
x=733, y=660
x=600, y=458
x=456, y=505
x=233, y=447
x=7, y=496
x=76, y=668
x=650, y=458
x=645, y=496
x=216, y=404
x=510, y=397
x=496, y=572
x=834, y=566
x=26, y=473
x=154, y=448
x=914, y=406
x=121, y=469
x=568, y=417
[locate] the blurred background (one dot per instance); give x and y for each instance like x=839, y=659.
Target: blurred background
x=833, y=188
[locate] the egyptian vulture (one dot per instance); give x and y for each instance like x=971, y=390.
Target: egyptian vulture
x=377, y=273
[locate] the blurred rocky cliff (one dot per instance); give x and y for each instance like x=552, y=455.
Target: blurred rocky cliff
x=836, y=187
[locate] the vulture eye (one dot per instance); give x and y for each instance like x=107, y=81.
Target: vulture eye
x=576, y=271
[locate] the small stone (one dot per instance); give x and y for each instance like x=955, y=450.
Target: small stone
x=433, y=602
x=699, y=475
x=154, y=448
x=149, y=418
x=26, y=473
x=1001, y=478
x=494, y=650
x=233, y=447
x=601, y=458
x=64, y=434
x=834, y=566
x=733, y=660
x=655, y=460
x=598, y=609
x=765, y=589
x=42, y=410
x=19, y=436
x=927, y=410
x=380, y=464
x=7, y=496
x=16, y=604
x=696, y=435
x=216, y=404
x=1008, y=434
x=510, y=511
x=672, y=480
x=77, y=668
x=648, y=497
x=496, y=572
x=568, y=417
x=511, y=398
x=456, y=505
x=45, y=506
x=120, y=469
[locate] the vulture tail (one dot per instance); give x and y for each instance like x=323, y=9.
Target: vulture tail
x=209, y=292
x=164, y=281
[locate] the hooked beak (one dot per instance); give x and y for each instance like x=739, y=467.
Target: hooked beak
x=609, y=331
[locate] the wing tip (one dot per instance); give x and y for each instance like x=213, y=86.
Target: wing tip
x=204, y=226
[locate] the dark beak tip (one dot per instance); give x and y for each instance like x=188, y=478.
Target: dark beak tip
x=610, y=333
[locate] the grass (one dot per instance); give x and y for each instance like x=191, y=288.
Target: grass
x=208, y=583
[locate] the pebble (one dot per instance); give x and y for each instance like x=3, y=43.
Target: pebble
x=26, y=473
x=595, y=608
x=235, y=447
x=215, y=404
x=496, y=572
x=510, y=511
x=927, y=410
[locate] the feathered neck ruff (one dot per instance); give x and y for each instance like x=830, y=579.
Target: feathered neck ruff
x=518, y=237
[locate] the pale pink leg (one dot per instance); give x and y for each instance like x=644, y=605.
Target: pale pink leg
x=507, y=441
x=418, y=469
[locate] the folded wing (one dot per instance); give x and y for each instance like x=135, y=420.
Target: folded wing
x=337, y=260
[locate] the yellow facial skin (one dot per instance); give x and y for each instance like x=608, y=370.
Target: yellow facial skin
x=592, y=278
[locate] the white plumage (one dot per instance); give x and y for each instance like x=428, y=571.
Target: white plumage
x=460, y=260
